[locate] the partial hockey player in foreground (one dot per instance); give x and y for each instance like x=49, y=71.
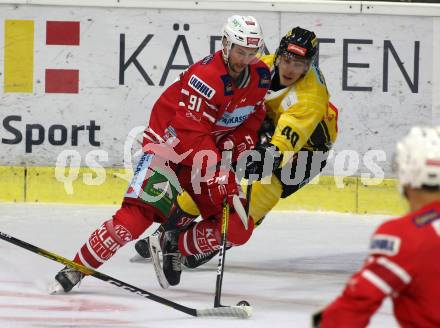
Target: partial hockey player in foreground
x=300, y=123
x=404, y=253
x=216, y=100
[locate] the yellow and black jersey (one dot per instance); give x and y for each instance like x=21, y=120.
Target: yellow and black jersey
x=305, y=122
x=304, y=118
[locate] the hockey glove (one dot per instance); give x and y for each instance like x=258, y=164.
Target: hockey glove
x=270, y=160
x=223, y=186
x=316, y=319
x=266, y=131
x=238, y=145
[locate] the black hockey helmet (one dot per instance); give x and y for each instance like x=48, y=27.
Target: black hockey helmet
x=298, y=42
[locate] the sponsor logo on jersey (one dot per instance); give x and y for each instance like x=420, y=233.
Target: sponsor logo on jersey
x=425, y=218
x=201, y=87
x=289, y=100
x=235, y=118
x=140, y=174
x=297, y=49
x=207, y=59
x=265, y=79
x=253, y=41
x=227, y=82
x=385, y=244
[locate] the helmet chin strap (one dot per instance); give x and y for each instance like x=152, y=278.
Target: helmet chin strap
x=226, y=51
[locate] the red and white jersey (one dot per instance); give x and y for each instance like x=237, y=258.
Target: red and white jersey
x=405, y=265
x=205, y=104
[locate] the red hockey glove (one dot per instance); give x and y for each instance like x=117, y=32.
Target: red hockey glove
x=238, y=144
x=223, y=185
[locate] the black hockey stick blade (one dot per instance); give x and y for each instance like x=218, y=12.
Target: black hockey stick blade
x=229, y=311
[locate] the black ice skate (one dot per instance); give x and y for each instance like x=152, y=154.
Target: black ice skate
x=142, y=247
x=66, y=279
x=194, y=261
x=172, y=266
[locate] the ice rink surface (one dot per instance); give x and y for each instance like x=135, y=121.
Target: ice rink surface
x=294, y=264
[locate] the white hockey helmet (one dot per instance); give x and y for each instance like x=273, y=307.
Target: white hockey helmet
x=244, y=31
x=417, y=158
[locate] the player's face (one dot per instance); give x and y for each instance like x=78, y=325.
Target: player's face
x=291, y=69
x=239, y=58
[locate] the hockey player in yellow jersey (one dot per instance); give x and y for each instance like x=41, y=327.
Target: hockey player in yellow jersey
x=305, y=122
x=299, y=130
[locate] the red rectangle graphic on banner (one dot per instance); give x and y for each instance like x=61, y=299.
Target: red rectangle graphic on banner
x=62, y=33
x=62, y=80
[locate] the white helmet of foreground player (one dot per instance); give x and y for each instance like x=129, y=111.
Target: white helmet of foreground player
x=243, y=31
x=417, y=158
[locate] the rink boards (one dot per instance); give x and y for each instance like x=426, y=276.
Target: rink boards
x=86, y=186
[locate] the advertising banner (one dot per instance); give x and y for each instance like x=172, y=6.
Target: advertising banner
x=79, y=82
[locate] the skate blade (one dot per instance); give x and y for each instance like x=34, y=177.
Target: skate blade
x=154, y=251
x=55, y=288
x=139, y=259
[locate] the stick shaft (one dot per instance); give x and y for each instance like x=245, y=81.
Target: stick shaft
x=97, y=274
x=248, y=198
x=221, y=258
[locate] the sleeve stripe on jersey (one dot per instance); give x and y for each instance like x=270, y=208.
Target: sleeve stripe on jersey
x=185, y=243
x=213, y=107
x=158, y=137
x=185, y=92
x=211, y=118
x=149, y=138
x=83, y=260
x=394, y=268
x=92, y=252
x=377, y=281
x=194, y=233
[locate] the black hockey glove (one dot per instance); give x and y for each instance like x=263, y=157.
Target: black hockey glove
x=269, y=161
x=316, y=319
x=266, y=131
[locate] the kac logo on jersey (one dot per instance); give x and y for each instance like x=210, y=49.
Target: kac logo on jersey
x=201, y=87
x=385, y=244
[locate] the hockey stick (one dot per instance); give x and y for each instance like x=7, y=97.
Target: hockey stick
x=224, y=231
x=221, y=256
x=248, y=198
x=230, y=311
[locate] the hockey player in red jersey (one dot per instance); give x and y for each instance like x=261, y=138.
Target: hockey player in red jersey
x=404, y=253
x=300, y=123
x=218, y=101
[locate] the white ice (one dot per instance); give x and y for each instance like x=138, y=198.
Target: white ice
x=295, y=263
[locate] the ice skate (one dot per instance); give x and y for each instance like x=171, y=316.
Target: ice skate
x=65, y=280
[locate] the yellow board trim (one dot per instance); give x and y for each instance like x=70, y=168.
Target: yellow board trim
x=325, y=193
x=12, y=186
x=380, y=197
x=44, y=187
x=19, y=56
